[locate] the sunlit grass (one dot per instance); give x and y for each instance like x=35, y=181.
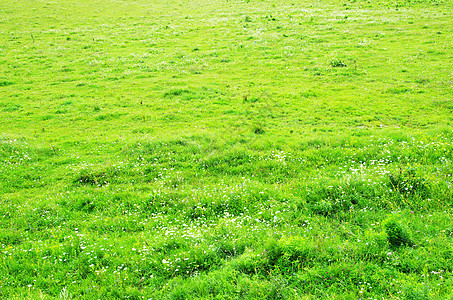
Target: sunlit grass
x=226, y=150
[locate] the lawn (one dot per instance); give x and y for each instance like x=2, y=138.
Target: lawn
x=226, y=149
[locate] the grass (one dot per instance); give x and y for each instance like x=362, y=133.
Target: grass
x=226, y=150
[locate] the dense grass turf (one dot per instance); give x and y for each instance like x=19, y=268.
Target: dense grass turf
x=226, y=149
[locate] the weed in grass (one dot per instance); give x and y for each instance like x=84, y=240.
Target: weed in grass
x=64, y=294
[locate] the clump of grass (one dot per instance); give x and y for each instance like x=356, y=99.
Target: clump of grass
x=398, y=90
x=12, y=107
x=5, y=83
x=409, y=183
x=250, y=99
x=258, y=129
x=176, y=92
x=337, y=63
x=397, y=235
x=95, y=177
x=331, y=197
x=415, y=293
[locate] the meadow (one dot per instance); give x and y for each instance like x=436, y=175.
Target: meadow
x=226, y=149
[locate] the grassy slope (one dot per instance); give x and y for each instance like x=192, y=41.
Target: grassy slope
x=226, y=149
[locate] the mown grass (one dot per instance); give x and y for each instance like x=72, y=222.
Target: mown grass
x=226, y=150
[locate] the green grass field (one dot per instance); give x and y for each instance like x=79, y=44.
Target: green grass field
x=226, y=149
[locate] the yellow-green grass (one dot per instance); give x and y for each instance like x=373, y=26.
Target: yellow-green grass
x=226, y=149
